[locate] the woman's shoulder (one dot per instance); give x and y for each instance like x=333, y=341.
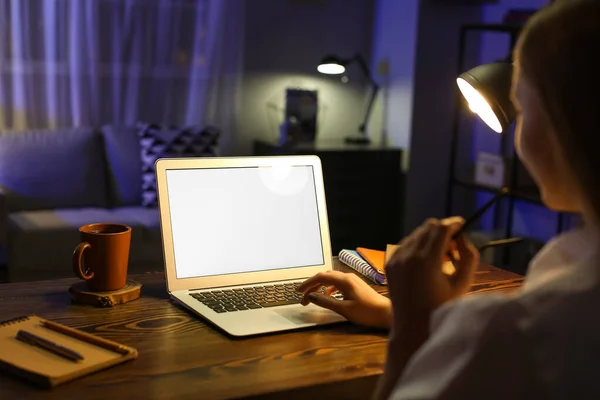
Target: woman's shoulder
x=562, y=312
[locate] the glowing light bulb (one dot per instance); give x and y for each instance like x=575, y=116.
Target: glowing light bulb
x=331, y=69
x=479, y=105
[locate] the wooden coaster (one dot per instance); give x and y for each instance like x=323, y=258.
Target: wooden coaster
x=81, y=294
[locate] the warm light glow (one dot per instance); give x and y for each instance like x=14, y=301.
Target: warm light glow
x=331, y=69
x=479, y=105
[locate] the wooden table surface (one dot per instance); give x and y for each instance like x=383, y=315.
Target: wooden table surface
x=181, y=357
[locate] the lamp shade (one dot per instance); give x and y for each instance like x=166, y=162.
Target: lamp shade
x=332, y=65
x=487, y=90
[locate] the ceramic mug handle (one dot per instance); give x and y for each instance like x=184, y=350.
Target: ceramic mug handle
x=78, y=262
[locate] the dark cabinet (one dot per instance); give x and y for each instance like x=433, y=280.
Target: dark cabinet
x=364, y=190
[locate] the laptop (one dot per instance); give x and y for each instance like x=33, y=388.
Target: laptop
x=240, y=234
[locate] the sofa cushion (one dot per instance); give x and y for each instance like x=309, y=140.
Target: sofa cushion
x=140, y=217
x=168, y=142
x=124, y=165
x=53, y=169
x=54, y=235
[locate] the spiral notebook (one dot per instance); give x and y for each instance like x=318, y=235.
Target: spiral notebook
x=47, y=369
x=352, y=259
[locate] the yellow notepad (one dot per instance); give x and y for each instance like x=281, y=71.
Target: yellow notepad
x=45, y=368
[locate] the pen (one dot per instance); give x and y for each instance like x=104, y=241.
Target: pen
x=503, y=192
x=35, y=340
x=473, y=218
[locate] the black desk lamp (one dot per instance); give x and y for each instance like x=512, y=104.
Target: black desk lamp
x=487, y=90
x=334, y=65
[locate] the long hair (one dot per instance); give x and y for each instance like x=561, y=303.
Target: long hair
x=558, y=52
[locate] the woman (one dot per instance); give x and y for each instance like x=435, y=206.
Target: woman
x=544, y=340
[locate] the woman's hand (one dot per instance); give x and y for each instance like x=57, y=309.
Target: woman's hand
x=416, y=280
x=361, y=305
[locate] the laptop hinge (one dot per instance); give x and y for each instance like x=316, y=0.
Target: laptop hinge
x=248, y=284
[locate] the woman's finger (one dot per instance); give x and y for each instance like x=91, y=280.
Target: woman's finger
x=452, y=253
x=339, y=280
x=311, y=289
x=467, y=262
x=438, y=242
x=453, y=220
x=331, y=290
x=330, y=278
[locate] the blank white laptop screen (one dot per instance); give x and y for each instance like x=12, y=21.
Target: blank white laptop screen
x=247, y=219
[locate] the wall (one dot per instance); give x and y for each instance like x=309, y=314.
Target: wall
x=435, y=95
x=394, y=43
x=284, y=42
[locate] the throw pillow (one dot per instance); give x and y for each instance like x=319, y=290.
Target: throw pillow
x=157, y=142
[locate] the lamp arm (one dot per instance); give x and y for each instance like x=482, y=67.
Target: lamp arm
x=362, y=128
x=501, y=242
x=367, y=73
x=365, y=68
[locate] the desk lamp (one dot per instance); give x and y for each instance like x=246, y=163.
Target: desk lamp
x=334, y=65
x=487, y=90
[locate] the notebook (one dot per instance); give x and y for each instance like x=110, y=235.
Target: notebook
x=47, y=369
x=374, y=257
x=352, y=259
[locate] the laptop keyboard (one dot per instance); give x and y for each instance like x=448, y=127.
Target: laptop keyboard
x=248, y=298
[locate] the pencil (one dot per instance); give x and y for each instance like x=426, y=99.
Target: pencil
x=86, y=337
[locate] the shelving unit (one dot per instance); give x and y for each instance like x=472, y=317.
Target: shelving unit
x=504, y=210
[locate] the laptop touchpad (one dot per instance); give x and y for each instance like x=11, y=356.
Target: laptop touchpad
x=309, y=315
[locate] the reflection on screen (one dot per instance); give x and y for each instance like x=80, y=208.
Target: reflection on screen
x=232, y=220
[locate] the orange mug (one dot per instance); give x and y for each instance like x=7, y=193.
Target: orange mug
x=102, y=257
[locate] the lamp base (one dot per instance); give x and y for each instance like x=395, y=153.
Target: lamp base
x=360, y=140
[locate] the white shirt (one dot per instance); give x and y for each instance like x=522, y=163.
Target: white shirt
x=540, y=342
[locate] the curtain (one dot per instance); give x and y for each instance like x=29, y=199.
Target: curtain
x=66, y=63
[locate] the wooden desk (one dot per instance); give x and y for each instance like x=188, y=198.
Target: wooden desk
x=182, y=357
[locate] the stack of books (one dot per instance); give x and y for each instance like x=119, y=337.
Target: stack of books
x=368, y=262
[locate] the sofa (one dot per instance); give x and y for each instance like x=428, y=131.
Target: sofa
x=54, y=181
